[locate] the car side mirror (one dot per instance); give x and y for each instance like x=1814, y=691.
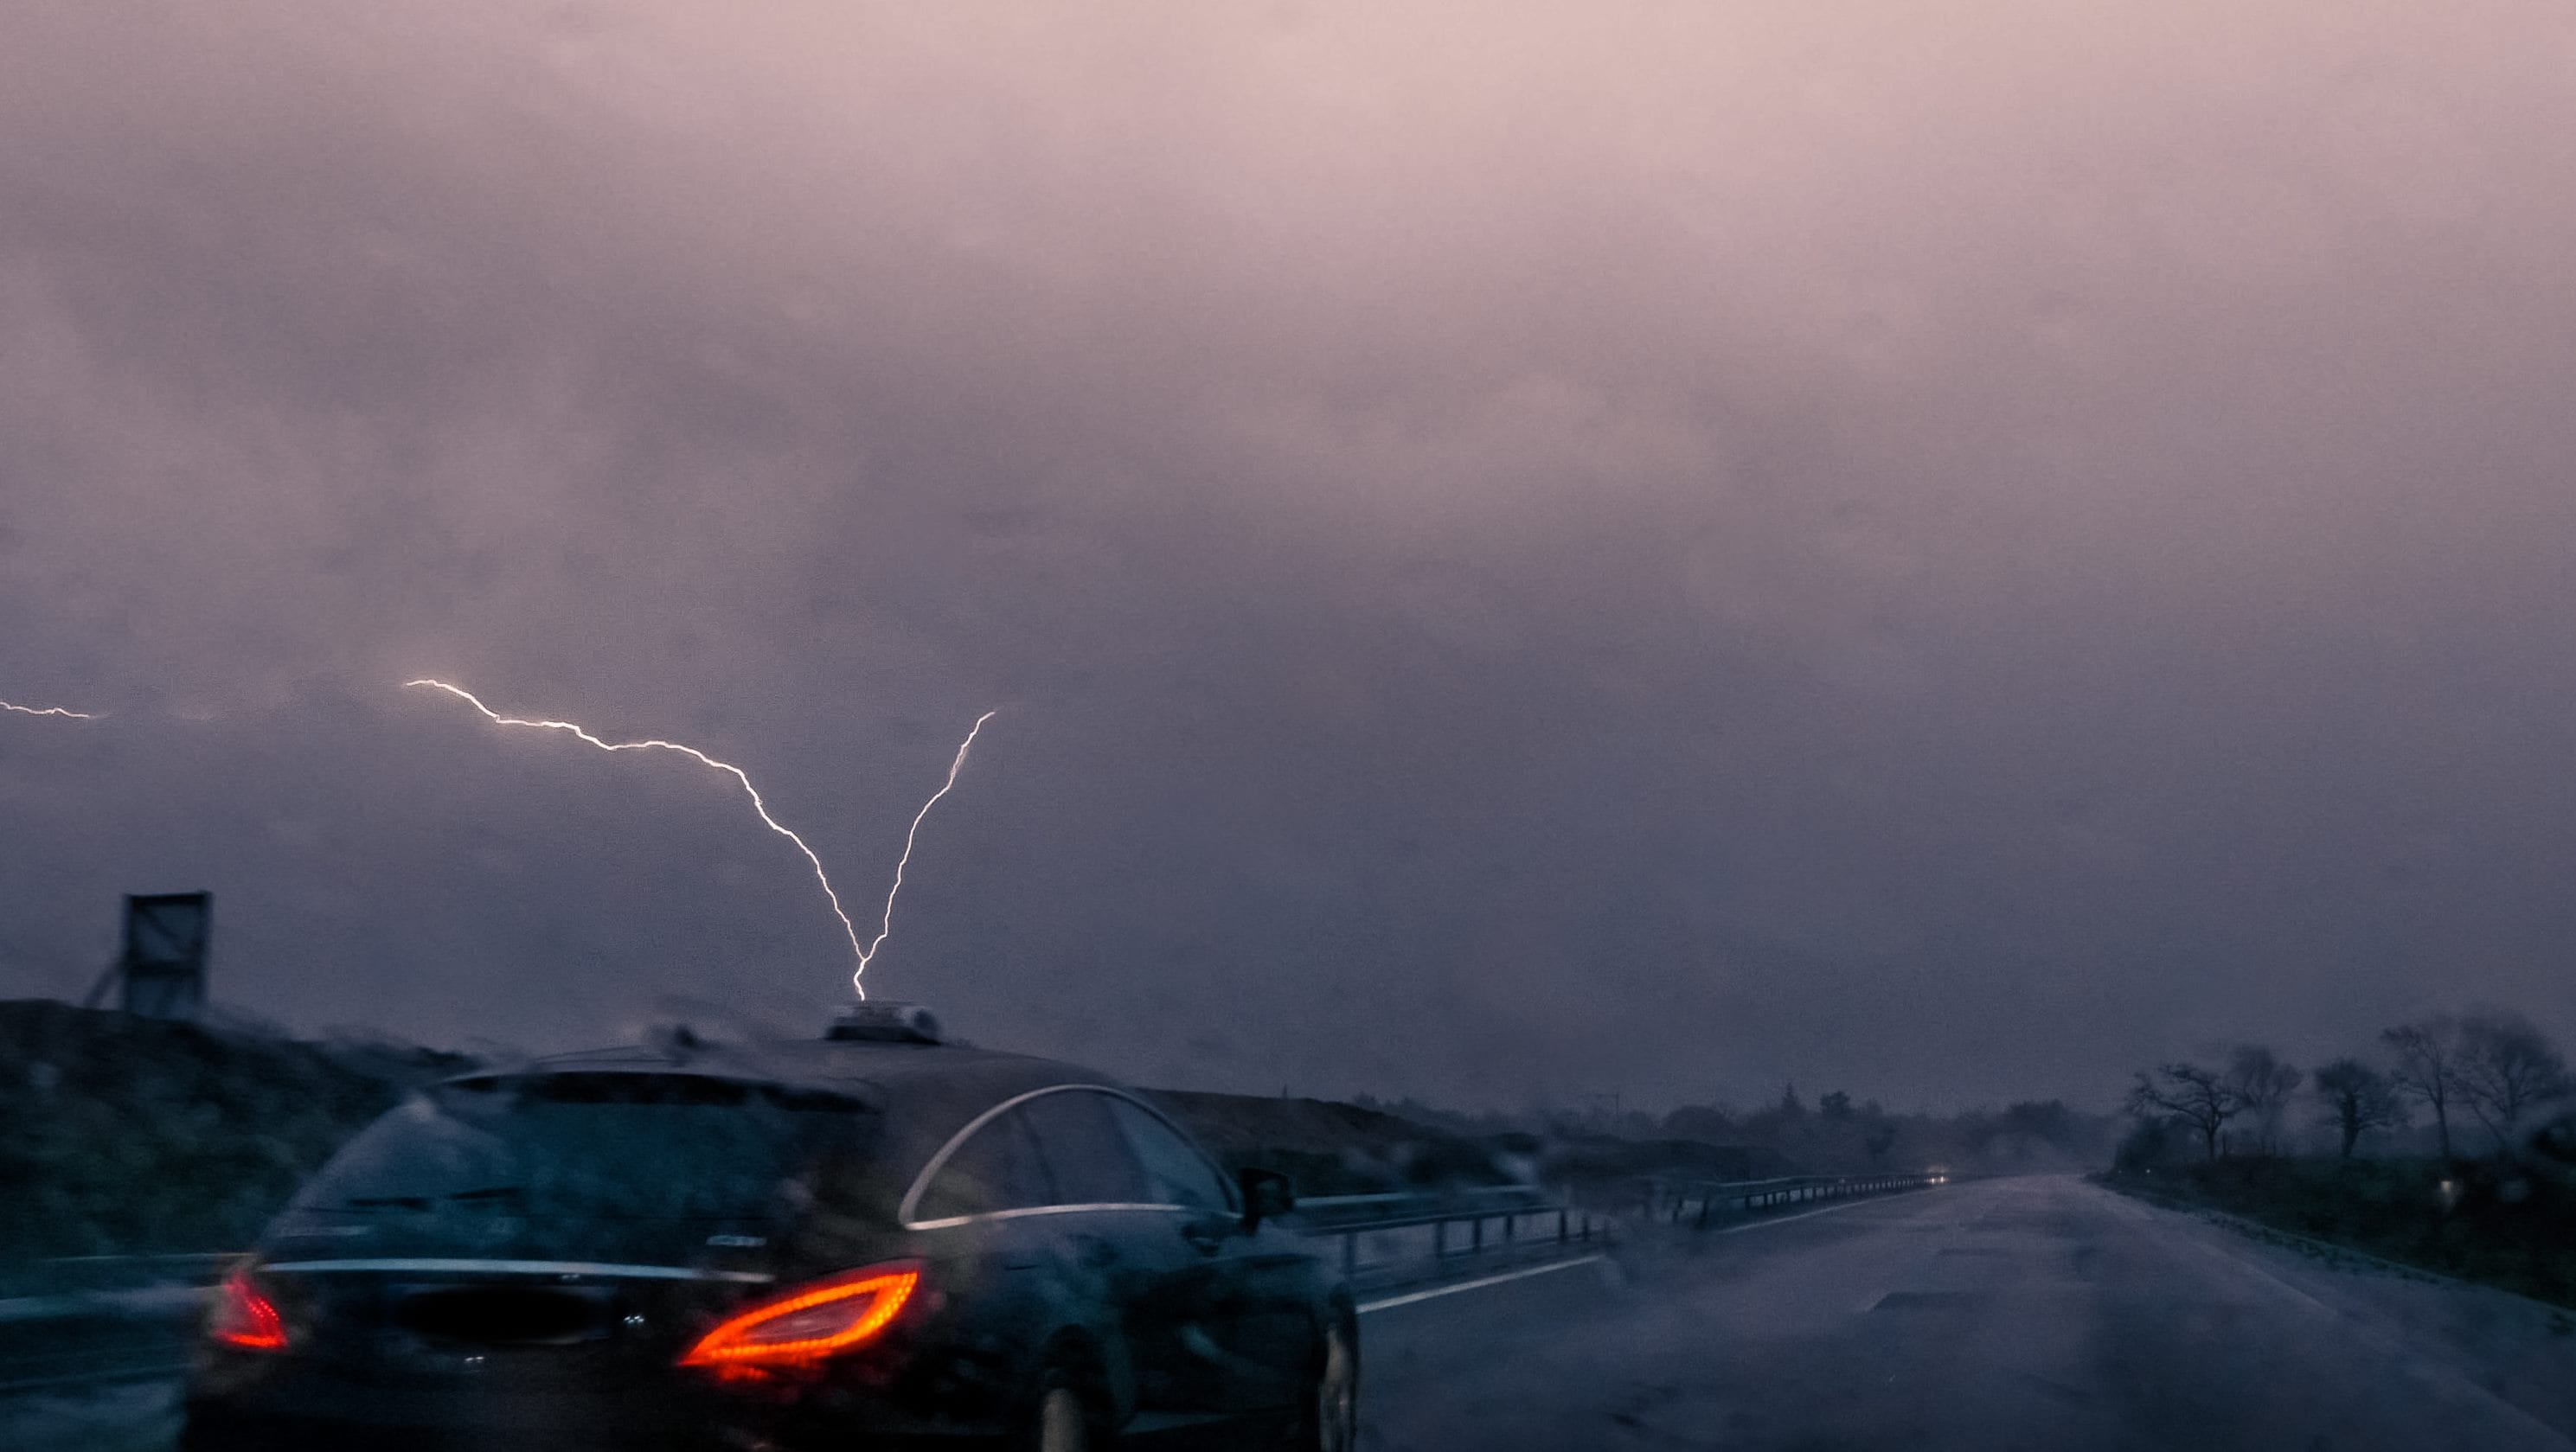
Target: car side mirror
x=1267, y=1195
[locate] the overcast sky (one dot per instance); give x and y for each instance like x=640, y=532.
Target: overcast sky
x=1944, y=549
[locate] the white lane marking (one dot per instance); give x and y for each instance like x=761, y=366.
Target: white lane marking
x=1801, y=1215
x=1476, y=1285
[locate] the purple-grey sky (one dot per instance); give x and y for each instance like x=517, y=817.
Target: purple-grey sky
x=1944, y=549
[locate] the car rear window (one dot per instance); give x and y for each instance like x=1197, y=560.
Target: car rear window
x=587, y=1165
x=1087, y=1159
x=1175, y=1172
x=997, y=1168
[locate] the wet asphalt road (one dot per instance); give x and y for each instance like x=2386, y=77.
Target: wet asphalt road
x=2040, y=1313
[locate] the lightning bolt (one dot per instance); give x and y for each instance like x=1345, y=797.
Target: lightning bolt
x=48, y=711
x=757, y=805
x=885, y=929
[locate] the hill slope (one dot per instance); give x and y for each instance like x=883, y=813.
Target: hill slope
x=124, y=1135
x=1330, y=1148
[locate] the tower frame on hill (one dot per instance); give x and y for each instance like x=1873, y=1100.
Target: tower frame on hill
x=162, y=964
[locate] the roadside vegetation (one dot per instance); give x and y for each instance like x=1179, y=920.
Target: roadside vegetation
x=1835, y=1135
x=2450, y=1144
x=129, y=1136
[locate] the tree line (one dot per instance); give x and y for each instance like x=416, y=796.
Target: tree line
x=1834, y=1133
x=2493, y=1070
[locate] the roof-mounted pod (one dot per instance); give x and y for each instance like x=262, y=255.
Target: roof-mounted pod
x=885, y=1023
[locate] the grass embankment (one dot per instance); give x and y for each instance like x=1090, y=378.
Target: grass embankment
x=2497, y=1225
x=125, y=1136
x=1329, y=1148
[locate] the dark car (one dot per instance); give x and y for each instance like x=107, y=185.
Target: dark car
x=871, y=1239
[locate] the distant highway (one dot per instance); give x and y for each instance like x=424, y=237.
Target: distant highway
x=2042, y=1314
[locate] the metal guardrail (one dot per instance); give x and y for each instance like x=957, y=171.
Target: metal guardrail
x=1697, y=1202
x=1400, y=1239
x=1311, y=1205
x=79, y=1274
x=101, y=1320
x=1394, y=1239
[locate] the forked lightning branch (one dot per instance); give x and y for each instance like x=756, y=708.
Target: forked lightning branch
x=862, y=952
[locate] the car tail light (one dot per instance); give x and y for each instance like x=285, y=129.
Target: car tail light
x=244, y=1319
x=810, y=1322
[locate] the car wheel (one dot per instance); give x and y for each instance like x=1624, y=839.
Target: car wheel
x=1332, y=1410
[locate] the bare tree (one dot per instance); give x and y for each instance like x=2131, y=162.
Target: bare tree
x=2201, y=1098
x=2505, y=1066
x=1878, y=1139
x=2357, y=1099
x=2427, y=1070
x=2263, y=1086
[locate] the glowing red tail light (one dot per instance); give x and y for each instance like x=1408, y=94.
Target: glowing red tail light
x=244, y=1319
x=810, y=1322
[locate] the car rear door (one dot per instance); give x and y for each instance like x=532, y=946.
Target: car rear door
x=1124, y=1248
x=987, y=1257
x=1241, y=1330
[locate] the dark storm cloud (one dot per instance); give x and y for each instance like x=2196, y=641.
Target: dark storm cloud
x=1521, y=550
